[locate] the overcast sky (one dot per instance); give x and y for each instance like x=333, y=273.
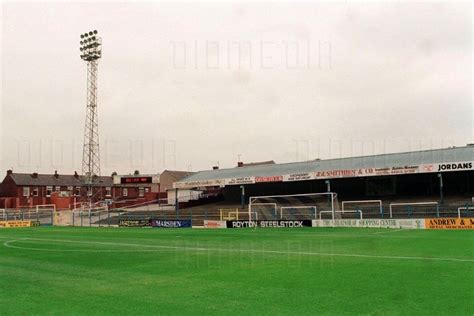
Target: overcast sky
x=190, y=85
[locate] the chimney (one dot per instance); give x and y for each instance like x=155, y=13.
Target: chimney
x=76, y=175
x=240, y=164
x=9, y=171
x=34, y=175
x=56, y=175
x=215, y=167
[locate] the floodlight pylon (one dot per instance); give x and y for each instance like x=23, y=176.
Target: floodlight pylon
x=91, y=52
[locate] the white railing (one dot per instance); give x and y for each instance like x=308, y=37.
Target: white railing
x=465, y=208
x=47, y=206
x=379, y=202
x=236, y=217
x=346, y=211
x=414, y=203
x=147, y=203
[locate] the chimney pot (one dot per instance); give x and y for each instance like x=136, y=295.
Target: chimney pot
x=9, y=171
x=240, y=164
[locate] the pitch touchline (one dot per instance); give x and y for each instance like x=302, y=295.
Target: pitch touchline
x=252, y=250
x=379, y=234
x=389, y=232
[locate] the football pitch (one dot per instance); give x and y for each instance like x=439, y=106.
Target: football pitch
x=61, y=270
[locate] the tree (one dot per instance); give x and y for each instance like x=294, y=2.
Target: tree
x=136, y=173
x=113, y=173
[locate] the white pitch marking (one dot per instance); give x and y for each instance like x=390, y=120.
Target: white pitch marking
x=390, y=231
x=379, y=234
x=254, y=251
x=8, y=244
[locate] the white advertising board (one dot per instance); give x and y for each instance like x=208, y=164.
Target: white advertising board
x=372, y=223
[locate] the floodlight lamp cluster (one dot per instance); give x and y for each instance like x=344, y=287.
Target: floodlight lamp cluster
x=91, y=46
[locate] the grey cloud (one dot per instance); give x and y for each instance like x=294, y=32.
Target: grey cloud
x=389, y=77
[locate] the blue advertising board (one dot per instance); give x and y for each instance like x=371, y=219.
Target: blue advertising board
x=161, y=223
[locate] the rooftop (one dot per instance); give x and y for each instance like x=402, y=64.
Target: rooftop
x=453, y=154
x=32, y=179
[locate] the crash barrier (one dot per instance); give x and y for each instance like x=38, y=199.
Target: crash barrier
x=43, y=216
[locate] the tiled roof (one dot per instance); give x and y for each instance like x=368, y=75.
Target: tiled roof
x=51, y=180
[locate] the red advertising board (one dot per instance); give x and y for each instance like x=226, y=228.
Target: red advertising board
x=269, y=179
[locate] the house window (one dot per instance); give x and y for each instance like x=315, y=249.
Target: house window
x=26, y=191
x=35, y=191
x=147, y=190
x=124, y=192
x=57, y=188
x=141, y=192
x=49, y=189
x=108, y=191
x=77, y=191
x=70, y=189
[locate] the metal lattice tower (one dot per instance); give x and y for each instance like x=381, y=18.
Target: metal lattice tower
x=91, y=51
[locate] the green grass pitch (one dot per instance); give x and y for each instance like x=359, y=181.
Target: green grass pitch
x=79, y=271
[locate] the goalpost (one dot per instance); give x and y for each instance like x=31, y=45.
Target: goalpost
x=292, y=206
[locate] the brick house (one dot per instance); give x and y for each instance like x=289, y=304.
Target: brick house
x=136, y=186
x=26, y=190
x=19, y=190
